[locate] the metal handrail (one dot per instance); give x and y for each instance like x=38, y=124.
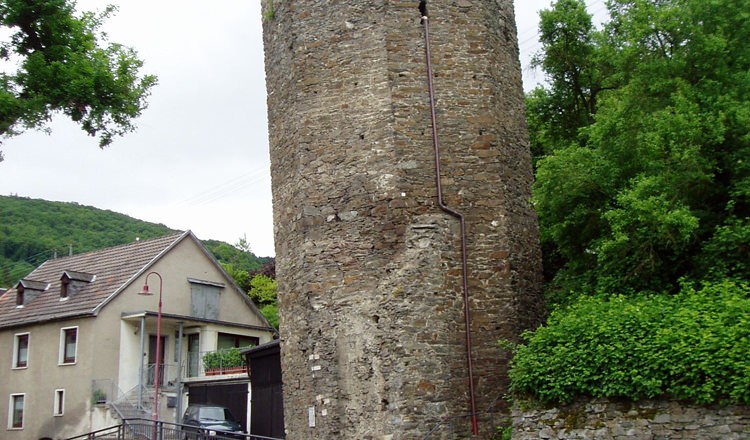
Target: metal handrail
x=143, y=429
x=166, y=371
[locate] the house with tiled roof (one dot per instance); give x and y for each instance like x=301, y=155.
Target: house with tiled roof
x=78, y=338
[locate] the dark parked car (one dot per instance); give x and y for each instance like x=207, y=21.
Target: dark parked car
x=210, y=421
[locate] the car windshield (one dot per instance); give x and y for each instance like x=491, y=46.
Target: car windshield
x=215, y=413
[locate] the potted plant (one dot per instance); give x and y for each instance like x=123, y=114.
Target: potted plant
x=233, y=361
x=99, y=397
x=212, y=363
x=224, y=362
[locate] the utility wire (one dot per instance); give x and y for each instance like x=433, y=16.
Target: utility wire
x=228, y=187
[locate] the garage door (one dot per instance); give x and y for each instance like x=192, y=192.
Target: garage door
x=232, y=396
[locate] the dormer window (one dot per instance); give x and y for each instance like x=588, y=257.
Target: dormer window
x=19, y=296
x=71, y=282
x=27, y=290
x=64, y=282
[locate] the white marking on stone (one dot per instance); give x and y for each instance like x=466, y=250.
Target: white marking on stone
x=311, y=417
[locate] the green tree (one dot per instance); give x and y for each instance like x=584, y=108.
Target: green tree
x=34, y=230
x=264, y=293
x=641, y=137
x=238, y=260
x=271, y=312
x=575, y=69
x=241, y=277
x=64, y=65
x=262, y=289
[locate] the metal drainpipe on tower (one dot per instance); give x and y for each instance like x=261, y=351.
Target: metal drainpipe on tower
x=455, y=214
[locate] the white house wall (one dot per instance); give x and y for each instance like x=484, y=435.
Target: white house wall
x=185, y=261
x=109, y=346
x=130, y=354
x=44, y=375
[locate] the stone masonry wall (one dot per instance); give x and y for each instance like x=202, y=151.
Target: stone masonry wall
x=649, y=420
x=368, y=266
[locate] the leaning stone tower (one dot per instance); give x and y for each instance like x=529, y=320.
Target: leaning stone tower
x=401, y=187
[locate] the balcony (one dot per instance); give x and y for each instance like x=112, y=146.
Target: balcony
x=215, y=363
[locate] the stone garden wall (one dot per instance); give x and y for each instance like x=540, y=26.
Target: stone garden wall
x=648, y=420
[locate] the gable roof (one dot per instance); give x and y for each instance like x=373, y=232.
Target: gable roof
x=113, y=268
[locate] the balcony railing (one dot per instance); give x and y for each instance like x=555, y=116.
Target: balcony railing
x=167, y=375
x=199, y=364
x=213, y=363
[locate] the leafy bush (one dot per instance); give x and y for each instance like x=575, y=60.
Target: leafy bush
x=223, y=359
x=693, y=346
x=727, y=253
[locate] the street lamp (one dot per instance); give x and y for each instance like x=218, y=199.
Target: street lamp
x=158, y=345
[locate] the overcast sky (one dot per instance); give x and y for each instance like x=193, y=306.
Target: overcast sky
x=199, y=158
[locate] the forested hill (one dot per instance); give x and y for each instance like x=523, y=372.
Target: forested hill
x=34, y=230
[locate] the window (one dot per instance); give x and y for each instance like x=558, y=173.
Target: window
x=68, y=345
x=19, y=296
x=204, y=300
x=15, y=416
x=59, y=408
x=71, y=282
x=64, y=282
x=21, y=350
x=227, y=340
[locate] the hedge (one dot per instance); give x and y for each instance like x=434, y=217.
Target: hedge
x=693, y=346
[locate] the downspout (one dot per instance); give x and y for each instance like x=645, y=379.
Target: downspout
x=140, y=367
x=178, y=407
x=455, y=214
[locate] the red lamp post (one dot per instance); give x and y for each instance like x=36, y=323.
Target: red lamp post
x=158, y=346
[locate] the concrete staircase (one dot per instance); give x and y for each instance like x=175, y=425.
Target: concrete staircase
x=126, y=406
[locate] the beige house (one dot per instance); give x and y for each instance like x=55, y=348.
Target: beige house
x=78, y=340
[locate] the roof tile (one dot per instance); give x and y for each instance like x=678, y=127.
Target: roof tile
x=109, y=269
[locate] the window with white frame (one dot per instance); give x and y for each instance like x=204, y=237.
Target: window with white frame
x=15, y=411
x=68, y=345
x=59, y=408
x=21, y=350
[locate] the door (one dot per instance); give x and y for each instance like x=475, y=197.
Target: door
x=267, y=406
x=152, y=360
x=194, y=358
